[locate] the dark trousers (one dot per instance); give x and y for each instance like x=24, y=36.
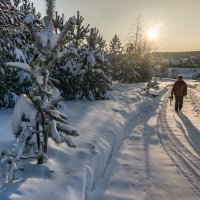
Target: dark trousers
x=179, y=102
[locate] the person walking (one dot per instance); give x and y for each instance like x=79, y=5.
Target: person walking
x=179, y=90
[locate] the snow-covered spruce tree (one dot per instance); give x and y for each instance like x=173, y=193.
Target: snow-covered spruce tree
x=115, y=46
x=14, y=38
x=101, y=46
x=114, y=56
x=35, y=117
x=123, y=64
x=94, y=83
x=82, y=78
x=66, y=70
x=10, y=38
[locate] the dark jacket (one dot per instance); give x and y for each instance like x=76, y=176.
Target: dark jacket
x=179, y=88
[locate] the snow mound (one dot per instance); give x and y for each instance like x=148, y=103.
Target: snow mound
x=23, y=107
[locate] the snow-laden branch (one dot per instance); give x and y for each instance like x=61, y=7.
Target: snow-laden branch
x=68, y=140
x=56, y=81
x=20, y=65
x=23, y=108
x=67, y=129
x=55, y=133
x=68, y=25
x=58, y=116
x=60, y=132
x=45, y=91
x=99, y=57
x=66, y=54
x=29, y=20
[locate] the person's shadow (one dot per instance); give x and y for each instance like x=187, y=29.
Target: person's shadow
x=193, y=136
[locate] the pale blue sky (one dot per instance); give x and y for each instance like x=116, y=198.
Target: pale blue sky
x=177, y=21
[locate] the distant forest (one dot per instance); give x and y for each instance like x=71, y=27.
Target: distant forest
x=176, y=55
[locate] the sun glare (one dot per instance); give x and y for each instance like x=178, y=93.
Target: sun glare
x=152, y=34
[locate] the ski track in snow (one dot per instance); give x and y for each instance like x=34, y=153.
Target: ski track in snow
x=132, y=175
x=135, y=148
x=182, y=141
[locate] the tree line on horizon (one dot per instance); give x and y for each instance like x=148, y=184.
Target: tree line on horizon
x=176, y=55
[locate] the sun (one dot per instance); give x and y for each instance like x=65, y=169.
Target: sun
x=152, y=34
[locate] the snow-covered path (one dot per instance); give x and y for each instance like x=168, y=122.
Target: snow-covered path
x=130, y=148
x=180, y=135
x=142, y=171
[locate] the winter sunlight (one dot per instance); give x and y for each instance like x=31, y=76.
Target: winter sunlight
x=152, y=34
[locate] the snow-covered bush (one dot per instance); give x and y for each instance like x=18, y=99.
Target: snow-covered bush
x=35, y=117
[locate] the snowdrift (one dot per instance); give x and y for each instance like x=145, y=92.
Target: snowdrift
x=72, y=173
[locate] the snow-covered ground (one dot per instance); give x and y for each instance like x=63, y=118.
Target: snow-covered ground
x=130, y=147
